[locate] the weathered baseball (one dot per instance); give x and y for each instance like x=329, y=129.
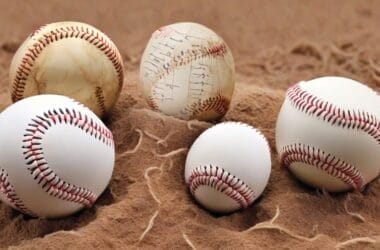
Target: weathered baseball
x=228, y=167
x=72, y=59
x=56, y=156
x=328, y=133
x=187, y=71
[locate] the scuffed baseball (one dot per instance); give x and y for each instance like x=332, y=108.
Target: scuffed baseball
x=188, y=71
x=72, y=59
x=228, y=167
x=328, y=133
x=56, y=156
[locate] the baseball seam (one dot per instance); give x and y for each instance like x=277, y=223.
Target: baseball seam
x=219, y=104
x=100, y=99
x=191, y=55
x=185, y=58
x=10, y=194
x=39, y=29
x=152, y=103
x=39, y=167
x=87, y=34
x=351, y=119
x=223, y=181
x=328, y=163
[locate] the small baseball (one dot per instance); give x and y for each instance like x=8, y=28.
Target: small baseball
x=228, y=167
x=187, y=71
x=72, y=59
x=328, y=133
x=56, y=156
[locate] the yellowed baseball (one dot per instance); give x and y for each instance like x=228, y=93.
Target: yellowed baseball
x=72, y=59
x=188, y=71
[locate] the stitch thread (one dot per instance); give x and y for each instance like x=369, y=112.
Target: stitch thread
x=185, y=57
x=36, y=31
x=10, y=194
x=350, y=119
x=100, y=99
x=318, y=158
x=219, y=104
x=222, y=181
x=87, y=34
x=38, y=166
x=152, y=103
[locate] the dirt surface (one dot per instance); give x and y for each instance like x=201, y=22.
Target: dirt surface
x=275, y=44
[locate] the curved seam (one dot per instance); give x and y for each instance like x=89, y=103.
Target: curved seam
x=361, y=120
x=328, y=163
x=91, y=36
x=222, y=181
x=39, y=167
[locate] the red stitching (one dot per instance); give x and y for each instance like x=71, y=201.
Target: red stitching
x=223, y=182
x=328, y=163
x=100, y=99
x=350, y=119
x=190, y=55
x=152, y=103
x=94, y=38
x=218, y=50
x=219, y=104
x=10, y=194
x=36, y=31
x=38, y=166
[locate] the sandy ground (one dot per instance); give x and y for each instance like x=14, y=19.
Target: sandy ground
x=275, y=44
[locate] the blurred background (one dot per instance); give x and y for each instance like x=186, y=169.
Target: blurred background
x=248, y=26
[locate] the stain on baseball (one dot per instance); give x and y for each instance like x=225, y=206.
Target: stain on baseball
x=328, y=133
x=72, y=59
x=56, y=156
x=188, y=71
x=228, y=167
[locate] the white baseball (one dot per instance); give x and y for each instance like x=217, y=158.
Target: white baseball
x=188, y=71
x=328, y=133
x=72, y=59
x=228, y=167
x=56, y=156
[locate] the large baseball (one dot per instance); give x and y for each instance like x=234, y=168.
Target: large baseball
x=228, y=167
x=187, y=71
x=72, y=59
x=328, y=133
x=56, y=156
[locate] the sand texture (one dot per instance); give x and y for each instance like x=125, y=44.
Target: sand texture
x=147, y=205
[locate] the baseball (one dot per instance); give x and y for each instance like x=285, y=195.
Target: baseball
x=187, y=71
x=328, y=133
x=72, y=59
x=228, y=167
x=56, y=156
